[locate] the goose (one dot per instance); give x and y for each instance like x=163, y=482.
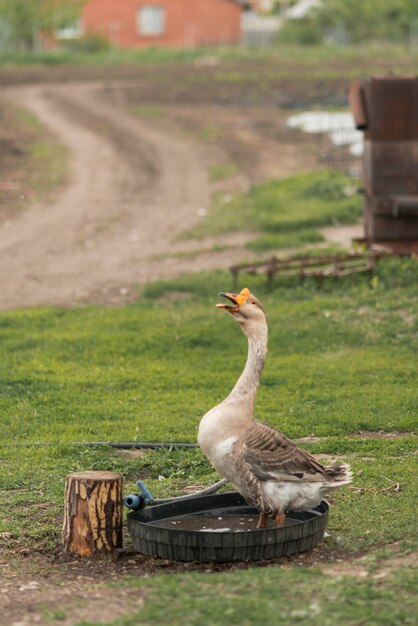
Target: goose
x=265, y=467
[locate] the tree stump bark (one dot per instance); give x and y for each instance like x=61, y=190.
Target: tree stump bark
x=93, y=513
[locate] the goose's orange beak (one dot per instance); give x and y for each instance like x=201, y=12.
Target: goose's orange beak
x=237, y=300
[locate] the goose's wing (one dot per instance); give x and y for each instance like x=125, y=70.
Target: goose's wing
x=271, y=456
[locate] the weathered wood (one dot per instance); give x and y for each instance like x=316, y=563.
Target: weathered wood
x=93, y=513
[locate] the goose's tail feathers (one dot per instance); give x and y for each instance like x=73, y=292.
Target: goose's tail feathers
x=339, y=475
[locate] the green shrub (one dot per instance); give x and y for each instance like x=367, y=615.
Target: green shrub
x=305, y=32
x=93, y=42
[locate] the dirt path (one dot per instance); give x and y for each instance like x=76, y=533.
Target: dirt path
x=132, y=189
x=134, y=186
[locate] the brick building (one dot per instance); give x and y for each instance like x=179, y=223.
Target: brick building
x=177, y=23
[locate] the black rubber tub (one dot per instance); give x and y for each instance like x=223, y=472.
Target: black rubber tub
x=221, y=528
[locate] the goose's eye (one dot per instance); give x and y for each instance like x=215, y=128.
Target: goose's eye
x=253, y=302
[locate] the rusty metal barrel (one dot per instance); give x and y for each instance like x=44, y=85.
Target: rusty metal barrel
x=386, y=109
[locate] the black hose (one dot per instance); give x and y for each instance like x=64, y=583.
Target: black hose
x=151, y=446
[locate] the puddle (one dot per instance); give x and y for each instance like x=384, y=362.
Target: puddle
x=216, y=524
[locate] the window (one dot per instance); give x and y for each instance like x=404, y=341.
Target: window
x=151, y=20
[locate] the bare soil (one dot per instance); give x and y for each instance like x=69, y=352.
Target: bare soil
x=34, y=590
x=136, y=183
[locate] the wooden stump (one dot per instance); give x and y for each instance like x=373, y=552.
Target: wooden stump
x=93, y=513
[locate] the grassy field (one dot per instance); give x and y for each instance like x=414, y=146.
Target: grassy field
x=378, y=53
x=301, y=597
x=341, y=360
x=286, y=213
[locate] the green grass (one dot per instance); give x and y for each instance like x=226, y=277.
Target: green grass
x=148, y=111
x=91, y=372
x=341, y=360
x=209, y=134
x=99, y=57
x=222, y=171
x=282, y=241
x=287, y=213
x=312, y=61
x=377, y=509
x=303, y=596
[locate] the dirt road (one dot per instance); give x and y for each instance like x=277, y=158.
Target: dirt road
x=131, y=190
x=135, y=185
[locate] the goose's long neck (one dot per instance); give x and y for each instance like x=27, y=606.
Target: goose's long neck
x=249, y=380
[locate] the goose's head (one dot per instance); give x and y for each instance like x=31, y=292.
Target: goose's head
x=245, y=309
